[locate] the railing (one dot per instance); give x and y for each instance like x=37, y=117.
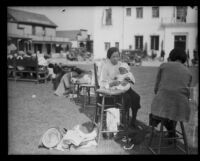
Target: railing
x=45, y=38
x=172, y=20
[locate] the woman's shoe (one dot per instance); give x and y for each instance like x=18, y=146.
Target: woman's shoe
x=128, y=146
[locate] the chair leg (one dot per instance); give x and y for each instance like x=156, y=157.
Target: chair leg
x=184, y=138
x=88, y=90
x=160, y=137
x=84, y=98
x=101, y=120
x=151, y=137
x=96, y=111
x=78, y=92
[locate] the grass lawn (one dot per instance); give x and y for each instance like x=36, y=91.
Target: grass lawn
x=29, y=118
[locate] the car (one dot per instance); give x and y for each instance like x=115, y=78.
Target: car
x=132, y=57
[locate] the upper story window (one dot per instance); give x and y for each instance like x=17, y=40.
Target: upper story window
x=155, y=12
x=181, y=13
x=155, y=42
x=128, y=11
x=117, y=45
x=107, y=45
x=139, y=42
x=107, y=17
x=139, y=12
x=33, y=30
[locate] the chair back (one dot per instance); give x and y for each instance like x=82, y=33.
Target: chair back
x=96, y=76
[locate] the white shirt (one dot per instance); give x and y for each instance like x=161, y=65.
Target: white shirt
x=108, y=72
x=121, y=77
x=41, y=60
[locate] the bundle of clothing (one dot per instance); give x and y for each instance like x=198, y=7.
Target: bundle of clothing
x=63, y=139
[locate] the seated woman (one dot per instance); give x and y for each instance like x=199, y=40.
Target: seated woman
x=109, y=71
x=171, y=101
x=76, y=75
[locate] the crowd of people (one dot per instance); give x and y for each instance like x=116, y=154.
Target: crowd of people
x=13, y=54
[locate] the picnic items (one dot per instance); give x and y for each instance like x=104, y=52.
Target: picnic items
x=50, y=138
x=55, y=138
x=77, y=139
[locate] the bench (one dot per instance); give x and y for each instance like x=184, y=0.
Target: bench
x=30, y=71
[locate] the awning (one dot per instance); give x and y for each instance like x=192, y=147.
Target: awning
x=50, y=42
x=18, y=36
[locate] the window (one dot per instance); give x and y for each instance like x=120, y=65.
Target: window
x=155, y=42
x=128, y=11
x=180, y=41
x=139, y=42
x=107, y=45
x=44, y=31
x=155, y=12
x=181, y=13
x=109, y=16
x=117, y=45
x=139, y=12
x=20, y=27
x=33, y=30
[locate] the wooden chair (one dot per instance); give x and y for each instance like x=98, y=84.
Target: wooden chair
x=178, y=135
x=161, y=137
x=117, y=97
x=86, y=91
x=101, y=105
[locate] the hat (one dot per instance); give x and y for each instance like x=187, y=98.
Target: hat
x=51, y=138
x=125, y=65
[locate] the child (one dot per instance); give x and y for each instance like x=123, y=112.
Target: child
x=125, y=78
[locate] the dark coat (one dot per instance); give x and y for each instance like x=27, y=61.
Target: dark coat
x=172, y=92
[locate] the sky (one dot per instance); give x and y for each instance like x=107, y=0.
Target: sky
x=66, y=18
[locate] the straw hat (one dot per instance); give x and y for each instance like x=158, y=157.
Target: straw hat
x=51, y=138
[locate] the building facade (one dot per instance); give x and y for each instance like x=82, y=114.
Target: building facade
x=33, y=32
x=145, y=27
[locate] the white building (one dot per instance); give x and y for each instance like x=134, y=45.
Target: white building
x=149, y=27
